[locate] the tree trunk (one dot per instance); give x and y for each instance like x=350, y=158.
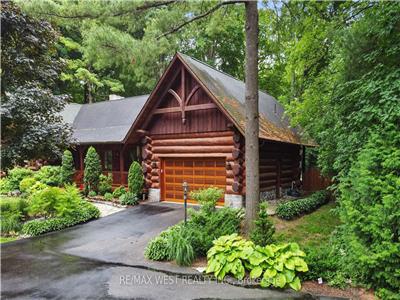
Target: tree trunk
x=251, y=130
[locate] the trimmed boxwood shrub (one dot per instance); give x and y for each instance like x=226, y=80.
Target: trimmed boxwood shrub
x=292, y=209
x=85, y=213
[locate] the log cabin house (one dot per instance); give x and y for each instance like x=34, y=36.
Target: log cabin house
x=190, y=128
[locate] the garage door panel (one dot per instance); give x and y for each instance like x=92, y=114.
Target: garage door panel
x=198, y=173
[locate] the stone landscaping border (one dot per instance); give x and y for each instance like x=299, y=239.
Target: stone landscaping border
x=101, y=201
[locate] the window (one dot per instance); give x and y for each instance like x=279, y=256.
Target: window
x=108, y=160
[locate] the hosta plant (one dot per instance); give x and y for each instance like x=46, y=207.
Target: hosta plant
x=228, y=255
x=276, y=265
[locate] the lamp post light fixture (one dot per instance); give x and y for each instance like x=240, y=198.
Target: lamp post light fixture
x=185, y=191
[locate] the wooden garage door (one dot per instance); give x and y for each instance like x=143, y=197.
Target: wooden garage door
x=198, y=173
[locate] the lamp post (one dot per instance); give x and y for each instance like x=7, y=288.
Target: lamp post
x=185, y=190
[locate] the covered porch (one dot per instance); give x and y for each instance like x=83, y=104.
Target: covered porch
x=115, y=159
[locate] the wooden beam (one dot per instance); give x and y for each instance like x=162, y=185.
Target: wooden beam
x=188, y=108
x=176, y=96
x=194, y=90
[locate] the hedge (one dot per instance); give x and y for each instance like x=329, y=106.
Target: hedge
x=292, y=209
x=85, y=213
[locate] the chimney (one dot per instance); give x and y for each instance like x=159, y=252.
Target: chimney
x=114, y=97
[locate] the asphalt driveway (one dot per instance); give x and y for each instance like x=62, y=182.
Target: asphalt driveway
x=103, y=259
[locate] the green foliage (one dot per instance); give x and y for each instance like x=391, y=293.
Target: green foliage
x=128, y=199
x=12, y=212
x=275, y=264
x=83, y=213
x=135, y=179
x=179, y=246
x=92, y=170
x=157, y=249
x=207, y=197
x=199, y=232
x=49, y=175
x=119, y=191
x=105, y=183
x=92, y=194
x=264, y=229
x=26, y=184
x=54, y=201
x=292, y=209
x=16, y=175
x=206, y=225
x=108, y=197
x=228, y=256
x=5, y=186
x=370, y=210
x=67, y=168
x=31, y=124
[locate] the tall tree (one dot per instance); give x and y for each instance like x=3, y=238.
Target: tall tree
x=252, y=116
x=31, y=126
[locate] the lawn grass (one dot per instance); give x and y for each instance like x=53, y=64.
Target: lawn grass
x=6, y=239
x=309, y=230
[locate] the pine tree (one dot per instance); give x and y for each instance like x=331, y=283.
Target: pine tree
x=92, y=170
x=67, y=167
x=135, y=179
x=264, y=229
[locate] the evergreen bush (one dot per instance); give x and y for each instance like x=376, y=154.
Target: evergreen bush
x=49, y=175
x=264, y=229
x=135, y=179
x=91, y=176
x=67, y=168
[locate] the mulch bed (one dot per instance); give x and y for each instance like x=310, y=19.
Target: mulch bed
x=316, y=289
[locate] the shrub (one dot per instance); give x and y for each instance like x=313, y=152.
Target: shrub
x=38, y=186
x=277, y=264
x=292, y=209
x=370, y=212
x=128, y=199
x=264, y=229
x=85, y=212
x=92, y=170
x=108, y=197
x=16, y=175
x=67, y=168
x=135, y=179
x=157, y=249
x=12, y=213
x=179, y=247
x=207, y=197
x=5, y=186
x=92, y=194
x=26, y=184
x=105, y=184
x=49, y=175
x=54, y=201
x=118, y=192
x=206, y=226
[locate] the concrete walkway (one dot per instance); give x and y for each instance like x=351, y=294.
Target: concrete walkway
x=104, y=259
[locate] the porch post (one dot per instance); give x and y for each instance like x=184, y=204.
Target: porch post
x=121, y=164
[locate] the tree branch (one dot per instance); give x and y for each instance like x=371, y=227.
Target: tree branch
x=145, y=6
x=200, y=16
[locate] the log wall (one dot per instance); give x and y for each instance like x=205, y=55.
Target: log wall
x=208, y=144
